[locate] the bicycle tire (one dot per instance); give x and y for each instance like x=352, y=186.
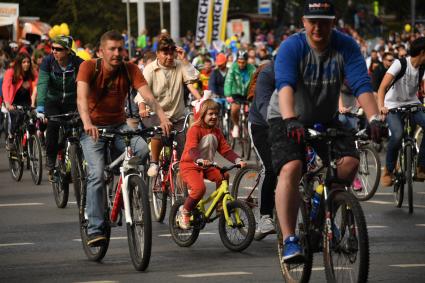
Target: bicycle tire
x=366, y=169
x=344, y=246
x=60, y=185
x=35, y=158
x=409, y=176
x=246, y=230
x=78, y=174
x=139, y=233
x=159, y=198
x=297, y=272
x=245, y=188
x=398, y=187
x=16, y=163
x=246, y=141
x=183, y=238
x=92, y=253
x=418, y=138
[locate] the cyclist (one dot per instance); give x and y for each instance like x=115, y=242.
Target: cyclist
x=259, y=128
x=57, y=91
x=203, y=140
x=402, y=92
x=217, y=78
x=167, y=78
x=236, y=86
x=17, y=89
x=309, y=71
x=101, y=102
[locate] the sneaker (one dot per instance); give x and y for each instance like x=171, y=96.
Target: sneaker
x=292, y=252
x=265, y=227
x=420, y=173
x=235, y=132
x=50, y=175
x=153, y=169
x=183, y=219
x=357, y=184
x=387, y=178
x=96, y=239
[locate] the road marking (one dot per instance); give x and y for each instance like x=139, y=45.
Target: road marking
x=73, y=202
x=380, y=202
x=199, y=275
x=112, y=238
x=20, y=204
x=97, y=281
x=187, y=234
x=376, y=227
x=420, y=193
x=408, y=265
x=384, y=194
x=15, y=244
x=420, y=225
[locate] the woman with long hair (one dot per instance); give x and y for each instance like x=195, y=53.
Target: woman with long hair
x=17, y=88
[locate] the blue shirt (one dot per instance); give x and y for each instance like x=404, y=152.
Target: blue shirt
x=316, y=78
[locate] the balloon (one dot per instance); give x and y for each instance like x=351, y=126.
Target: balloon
x=407, y=27
x=83, y=54
x=64, y=29
x=51, y=33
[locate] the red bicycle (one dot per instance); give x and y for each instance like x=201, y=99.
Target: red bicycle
x=167, y=183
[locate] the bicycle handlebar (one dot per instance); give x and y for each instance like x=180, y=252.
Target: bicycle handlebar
x=412, y=108
x=148, y=132
x=329, y=134
x=223, y=169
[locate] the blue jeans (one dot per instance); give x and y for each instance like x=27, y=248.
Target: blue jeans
x=348, y=121
x=395, y=123
x=94, y=154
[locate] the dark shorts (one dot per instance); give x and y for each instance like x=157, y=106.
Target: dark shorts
x=239, y=99
x=284, y=149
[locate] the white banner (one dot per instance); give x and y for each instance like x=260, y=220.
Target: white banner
x=219, y=19
x=202, y=25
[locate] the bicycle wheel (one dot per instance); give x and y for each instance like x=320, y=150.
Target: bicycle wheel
x=180, y=189
x=409, y=176
x=398, y=192
x=159, y=198
x=369, y=173
x=183, y=238
x=139, y=233
x=92, y=253
x=418, y=138
x=346, y=253
x=60, y=183
x=78, y=174
x=16, y=163
x=246, y=142
x=238, y=236
x=35, y=157
x=245, y=188
x=297, y=272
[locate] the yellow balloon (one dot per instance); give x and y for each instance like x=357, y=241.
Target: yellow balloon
x=51, y=33
x=56, y=30
x=83, y=54
x=64, y=29
x=407, y=27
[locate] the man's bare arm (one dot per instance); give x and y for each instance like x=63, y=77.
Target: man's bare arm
x=287, y=102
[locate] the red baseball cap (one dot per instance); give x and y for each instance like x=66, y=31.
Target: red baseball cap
x=220, y=59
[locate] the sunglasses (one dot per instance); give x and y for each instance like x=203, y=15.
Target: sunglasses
x=58, y=49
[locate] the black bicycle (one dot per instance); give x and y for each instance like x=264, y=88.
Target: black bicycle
x=69, y=160
x=330, y=220
x=405, y=171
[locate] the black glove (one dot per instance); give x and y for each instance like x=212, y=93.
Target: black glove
x=376, y=129
x=295, y=129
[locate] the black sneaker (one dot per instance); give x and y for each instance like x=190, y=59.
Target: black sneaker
x=96, y=239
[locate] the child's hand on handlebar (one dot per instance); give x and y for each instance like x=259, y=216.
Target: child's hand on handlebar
x=203, y=162
x=242, y=163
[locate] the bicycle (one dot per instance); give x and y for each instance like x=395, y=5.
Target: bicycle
x=329, y=220
x=244, y=138
x=129, y=195
x=236, y=221
x=405, y=171
x=167, y=183
x=26, y=148
x=69, y=160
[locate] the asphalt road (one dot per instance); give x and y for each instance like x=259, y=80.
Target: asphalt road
x=40, y=243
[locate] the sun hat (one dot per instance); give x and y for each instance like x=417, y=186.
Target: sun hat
x=319, y=9
x=220, y=59
x=64, y=41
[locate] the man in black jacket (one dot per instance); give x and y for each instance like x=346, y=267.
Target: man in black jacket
x=379, y=72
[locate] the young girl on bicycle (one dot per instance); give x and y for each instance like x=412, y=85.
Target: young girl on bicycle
x=203, y=140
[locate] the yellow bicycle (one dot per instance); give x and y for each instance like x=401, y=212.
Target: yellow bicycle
x=236, y=220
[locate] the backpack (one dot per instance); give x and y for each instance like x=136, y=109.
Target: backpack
x=109, y=83
x=402, y=72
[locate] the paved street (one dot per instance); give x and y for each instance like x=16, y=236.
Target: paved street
x=41, y=243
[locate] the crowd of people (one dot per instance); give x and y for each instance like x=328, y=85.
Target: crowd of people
x=308, y=76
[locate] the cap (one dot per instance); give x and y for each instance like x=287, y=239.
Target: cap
x=64, y=41
x=242, y=54
x=319, y=9
x=220, y=59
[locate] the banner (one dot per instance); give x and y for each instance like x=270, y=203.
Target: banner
x=218, y=19
x=202, y=25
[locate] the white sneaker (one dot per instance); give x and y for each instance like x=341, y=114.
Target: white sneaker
x=153, y=170
x=265, y=227
x=235, y=132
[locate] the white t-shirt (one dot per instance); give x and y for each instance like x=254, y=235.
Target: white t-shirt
x=403, y=92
